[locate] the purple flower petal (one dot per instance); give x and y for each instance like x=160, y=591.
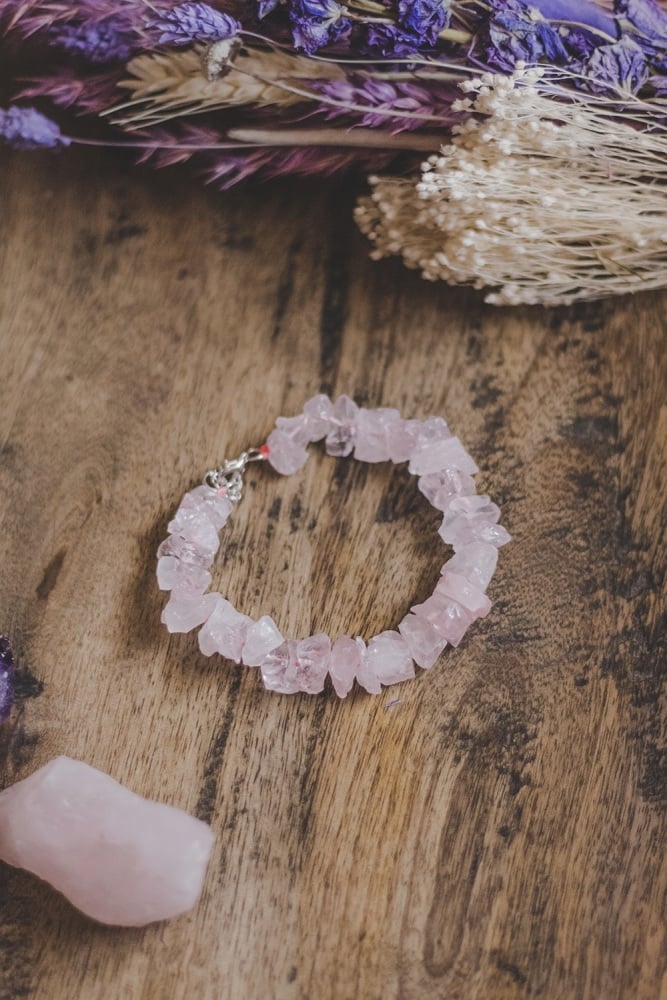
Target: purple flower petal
x=621, y=66
x=194, y=22
x=316, y=23
x=98, y=43
x=424, y=18
x=7, y=671
x=27, y=128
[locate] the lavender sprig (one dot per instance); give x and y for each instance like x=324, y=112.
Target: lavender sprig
x=27, y=128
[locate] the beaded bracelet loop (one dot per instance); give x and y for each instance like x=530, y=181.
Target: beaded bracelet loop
x=470, y=526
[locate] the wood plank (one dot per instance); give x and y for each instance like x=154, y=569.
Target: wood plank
x=499, y=832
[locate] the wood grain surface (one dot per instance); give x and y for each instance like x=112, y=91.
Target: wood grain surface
x=494, y=829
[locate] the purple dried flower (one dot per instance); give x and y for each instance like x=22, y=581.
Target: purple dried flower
x=620, y=66
x=7, y=671
x=265, y=7
x=424, y=18
x=67, y=88
x=98, y=43
x=420, y=106
x=27, y=128
x=577, y=12
x=646, y=23
x=391, y=41
x=516, y=32
x=316, y=23
x=194, y=22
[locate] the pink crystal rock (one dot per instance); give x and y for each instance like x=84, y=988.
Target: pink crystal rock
x=370, y=443
x=319, y=411
x=298, y=665
x=424, y=642
x=346, y=661
x=285, y=454
x=465, y=593
x=184, y=611
x=444, y=453
x=205, y=500
x=366, y=675
x=476, y=562
x=184, y=551
x=119, y=858
x=446, y=615
x=261, y=638
x=388, y=658
x=296, y=428
x=440, y=488
x=224, y=631
x=172, y=574
x=340, y=439
x=402, y=436
x=194, y=526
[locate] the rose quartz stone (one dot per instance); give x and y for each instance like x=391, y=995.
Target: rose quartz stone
x=465, y=529
x=465, y=593
x=345, y=663
x=440, y=488
x=172, y=574
x=184, y=611
x=206, y=500
x=184, y=551
x=402, y=436
x=194, y=526
x=296, y=428
x=370, y=443
x=446, y=615
x=319, y=410
x=340, y=439
x=388, y=658
x=285, y=454
x=119, y=858
x=424, y=642
x=298, y=665
x=224, y=631
x=476, y=562
x=441, y=454
x=261, y=638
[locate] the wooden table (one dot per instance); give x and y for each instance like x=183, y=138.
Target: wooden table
x=493, y=829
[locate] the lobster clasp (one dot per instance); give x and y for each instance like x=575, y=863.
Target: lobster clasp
x=227, y=478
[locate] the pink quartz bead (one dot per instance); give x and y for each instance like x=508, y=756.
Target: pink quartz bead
x=172, y=574
x=424, y=642
x=441, y=454
x=296, y=428
x=224, y=631
x=261, y=638
x=119, y=858
x=185, y=552
x=402, y=436
x=388, y=658
x=340, y=439
x=465, y=593
x=440, y=488
x=205, y=500
x=448, y=617
x=476, y=562
x=183, y=611
x=370, y=443
x=346, y=661
x=319, y=411
x=298, y=665
x=467, y=529
x=285, y=454
x=194, y=526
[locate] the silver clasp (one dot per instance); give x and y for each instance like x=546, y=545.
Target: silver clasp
x=228, y=477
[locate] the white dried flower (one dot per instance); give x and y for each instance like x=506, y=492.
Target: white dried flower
x=542, y=196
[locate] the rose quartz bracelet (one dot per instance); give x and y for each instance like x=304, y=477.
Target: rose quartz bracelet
x=445, y=473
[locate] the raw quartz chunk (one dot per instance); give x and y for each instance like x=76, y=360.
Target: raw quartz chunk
x=172, y=574
x=340, y=439
x=476, y=562
x=465, y=593
x=224, y=631
x=209, y=502
x=296, y=428
x=472, y=519
x=345, y=663
x=261, y=638
x=423, y=640
x=448, y=617
x=184, y=611
x=444, y=453
x=319, y=411
x=402, y=437
x=440, y=488
x=194, y=526
x=371, y=443
x=119, y=858
x=297, y=665
x=185, y=552
x=285, y=453
x=388, y=659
